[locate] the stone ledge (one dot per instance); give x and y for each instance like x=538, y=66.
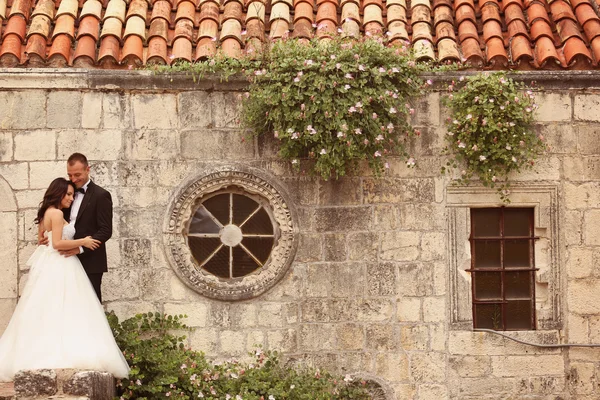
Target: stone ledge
x=63, y=384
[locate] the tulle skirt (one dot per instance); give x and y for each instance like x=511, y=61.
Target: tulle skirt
x=59, y=322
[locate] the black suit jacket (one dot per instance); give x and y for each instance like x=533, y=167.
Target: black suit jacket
x=94, y=219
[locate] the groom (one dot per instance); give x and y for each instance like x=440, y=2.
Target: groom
x=92, y=212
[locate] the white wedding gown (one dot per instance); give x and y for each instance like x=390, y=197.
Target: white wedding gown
x=59, y=322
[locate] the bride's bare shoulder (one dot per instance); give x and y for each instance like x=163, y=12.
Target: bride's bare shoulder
x=53, y=213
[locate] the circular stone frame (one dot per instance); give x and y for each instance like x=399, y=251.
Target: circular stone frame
x=181, y=209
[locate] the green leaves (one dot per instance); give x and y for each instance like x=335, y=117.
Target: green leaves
x=489, y=132
x=161, y=367
x=333, y=104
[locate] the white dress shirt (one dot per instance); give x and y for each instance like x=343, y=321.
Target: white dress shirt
x=76, y=205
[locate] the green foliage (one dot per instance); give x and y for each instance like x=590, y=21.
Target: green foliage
x=335, y=103
x=330, y=104
x=490, y=131
x=162, y=367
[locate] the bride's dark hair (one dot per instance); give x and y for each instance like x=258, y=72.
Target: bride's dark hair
x=53, y=196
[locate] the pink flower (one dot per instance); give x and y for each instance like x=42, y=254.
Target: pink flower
x=377, y=154
x=323, y=152
x=358, y=131
x=410, y=162
x=392, y=110
x=429, y=82
x=481, y=158
x=374, y=116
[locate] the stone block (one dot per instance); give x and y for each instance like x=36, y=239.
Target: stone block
x=583, y=296
x=232, y=343
x=477, y=388
x=399, y=245
x=573, y=227
x=438, y=334
x=398, y=190
x=205, y=144
x=591, y=227
x=284, y=340
x=244, y=315
x=226, y=108
x=421, y=217
x=427, y=110
x=381, y=279
x=547, y=168
x=528, y=365
x=393, y=367
x=581, y=378
x=363, y=246
x=303, y=190
x=334, y=246
x=195, y=110
x=434, y=309
x=408, y=309
x=415, y=279
x=440, y=278
x=271, y=315
x=17, y=174
x=580, y=262
x=6, y=146
x=153, y=284
x=36, y=383
x=374, y=310
x=561, y=138
x=381, y=337
x=136, y=253
x=39, y=145
x=151, y=144
x=205, y=340
x=102, y=145
x=433, y=392
x=155, y=112
x=29, y=198
x=310, y=248
x=316, y=337
x=138, y=223
x=428, y=367
x=553, y=107
x=93, y=385
x=350, y=336
x=197, y=313
x=481, y=343
x=342, y=191
x=385, y=217
x=343, y=219
x=42, y=173
x=586, y=106
x=9, y=267
x=254, y=339
x=588, y=138
x=347, y=279
x=140, y=174
x=316, y=310
x=470, y=366
x=578, y=328
x=318, y=280
x=120, y=284
x=91, y=110
x=547, y=384
x=414, y=337
x=129, y=308
x=25, y=109
x=433, y=246
x=116, y=111
x=64, y=109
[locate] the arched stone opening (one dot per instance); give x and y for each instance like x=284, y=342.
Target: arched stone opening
x=377, y=387
x=9, y=268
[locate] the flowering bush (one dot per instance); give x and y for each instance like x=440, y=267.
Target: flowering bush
x=335, y=103
x=161, y=367
x=489, y=133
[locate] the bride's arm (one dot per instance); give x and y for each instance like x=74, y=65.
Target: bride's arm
x=57, y=222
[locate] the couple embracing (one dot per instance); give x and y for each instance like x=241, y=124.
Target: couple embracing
x=59, y=321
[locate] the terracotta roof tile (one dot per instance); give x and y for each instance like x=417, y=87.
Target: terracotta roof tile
x=490, y=34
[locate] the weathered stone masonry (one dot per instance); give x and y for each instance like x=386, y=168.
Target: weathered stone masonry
x=372, y=287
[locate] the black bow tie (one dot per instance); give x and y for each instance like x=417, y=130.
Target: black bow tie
x=80, y=190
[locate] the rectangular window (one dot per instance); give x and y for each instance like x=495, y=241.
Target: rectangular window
x=503, y=268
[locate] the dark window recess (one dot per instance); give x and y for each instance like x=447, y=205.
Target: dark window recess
x=503, y=268
x=231, y=234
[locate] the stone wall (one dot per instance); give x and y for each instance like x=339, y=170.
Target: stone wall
x=372, y=284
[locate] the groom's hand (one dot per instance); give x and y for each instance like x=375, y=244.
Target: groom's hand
x=42, y=241
x=69, y=253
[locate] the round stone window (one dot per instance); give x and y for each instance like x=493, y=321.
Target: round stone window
x=230, y=234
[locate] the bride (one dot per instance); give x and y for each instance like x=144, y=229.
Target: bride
x=59, y=322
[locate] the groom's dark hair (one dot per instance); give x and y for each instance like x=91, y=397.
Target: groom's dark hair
x=75, y=157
